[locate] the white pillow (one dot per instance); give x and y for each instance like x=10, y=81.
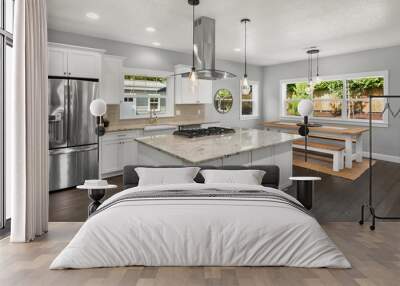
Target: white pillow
x=248, y=177
x=166, y=176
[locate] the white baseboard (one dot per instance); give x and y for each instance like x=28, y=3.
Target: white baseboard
x=383, y=157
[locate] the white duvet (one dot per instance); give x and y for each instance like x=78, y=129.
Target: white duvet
x=211, y=231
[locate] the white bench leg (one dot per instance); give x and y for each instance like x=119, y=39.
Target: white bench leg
x=349, y=152
x=336, y=161
x=359, y=149
x=341, y=160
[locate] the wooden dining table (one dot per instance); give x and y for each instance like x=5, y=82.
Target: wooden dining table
x=346, y=133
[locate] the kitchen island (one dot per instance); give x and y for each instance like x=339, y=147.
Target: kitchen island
x=247, y=147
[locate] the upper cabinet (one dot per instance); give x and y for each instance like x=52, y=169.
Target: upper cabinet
x=84, y=64
x=112, y=79
x=188, y=93
x=72, y=61
x=57, y=62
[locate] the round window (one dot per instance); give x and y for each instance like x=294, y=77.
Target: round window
x=223, y=100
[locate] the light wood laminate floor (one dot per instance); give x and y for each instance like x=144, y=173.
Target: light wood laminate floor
x=375, y=257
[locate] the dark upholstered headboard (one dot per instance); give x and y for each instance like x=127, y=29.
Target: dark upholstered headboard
x=270, y=179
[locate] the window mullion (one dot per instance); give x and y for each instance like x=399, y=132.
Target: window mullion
x=345, y=101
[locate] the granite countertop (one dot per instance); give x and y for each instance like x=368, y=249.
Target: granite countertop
x=133, y=126
x=197, y=150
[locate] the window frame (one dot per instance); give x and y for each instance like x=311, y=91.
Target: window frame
x=344, y=118
x=170, y=98
x=255, y=100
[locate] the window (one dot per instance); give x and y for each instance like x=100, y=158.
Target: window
x=145, y=92
x=6, y=43
x=343, y=97
x=249, y=104
x=223, y=100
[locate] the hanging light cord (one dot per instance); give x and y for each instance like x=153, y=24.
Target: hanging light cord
x=193, y=40
x=311, y=67
x=245, y=48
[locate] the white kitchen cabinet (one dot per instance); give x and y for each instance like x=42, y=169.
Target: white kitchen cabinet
x=128, y=152
x=84, y=64
x=73, y=61
x=187, y=93
x=57, y=62
x=204, y=92
x=118, y=149
x=109, y=157
x=112, y=79
x=241, y=159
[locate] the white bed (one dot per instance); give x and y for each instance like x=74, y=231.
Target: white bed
x=202, y=231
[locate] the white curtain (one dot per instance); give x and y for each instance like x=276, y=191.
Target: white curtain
x=27, y=145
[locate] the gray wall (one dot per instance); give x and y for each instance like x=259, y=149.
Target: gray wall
x=159, y=59
x=386, y=140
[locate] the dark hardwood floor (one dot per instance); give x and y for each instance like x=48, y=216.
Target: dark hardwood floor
x=5, y=231
x=336, y=199
x=71, y=204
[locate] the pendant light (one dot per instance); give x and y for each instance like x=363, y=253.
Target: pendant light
x=193, y=74
x=311, y=52
x=245, y=83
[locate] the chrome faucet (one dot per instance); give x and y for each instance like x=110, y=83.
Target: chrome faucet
x=153, y=116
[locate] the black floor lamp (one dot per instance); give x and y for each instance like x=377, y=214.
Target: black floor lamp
x=305, y=108
x=98, y=108
x=369, y=205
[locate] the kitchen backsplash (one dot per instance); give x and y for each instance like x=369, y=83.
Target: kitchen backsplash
x=182, y=112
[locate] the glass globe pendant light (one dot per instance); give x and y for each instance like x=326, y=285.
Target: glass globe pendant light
x=193, y=74
x=245, y=83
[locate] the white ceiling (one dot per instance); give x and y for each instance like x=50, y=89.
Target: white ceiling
x=280, y=30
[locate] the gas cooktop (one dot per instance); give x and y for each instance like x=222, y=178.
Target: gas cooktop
x=200, y=132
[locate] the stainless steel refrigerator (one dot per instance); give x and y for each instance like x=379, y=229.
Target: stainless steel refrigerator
x=73, y=148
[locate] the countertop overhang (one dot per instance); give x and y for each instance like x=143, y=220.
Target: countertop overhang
x=201, y=149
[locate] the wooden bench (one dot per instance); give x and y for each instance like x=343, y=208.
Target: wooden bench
x=329, y=138
x=335, y=150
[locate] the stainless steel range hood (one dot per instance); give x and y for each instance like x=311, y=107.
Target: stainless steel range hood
x=204, y=51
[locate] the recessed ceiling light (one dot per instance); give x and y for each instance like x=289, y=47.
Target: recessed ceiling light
x=150, y=29
x=92, y=15
x=157, y=44
x=236, y=49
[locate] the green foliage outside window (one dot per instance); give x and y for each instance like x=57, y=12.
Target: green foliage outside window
x=223, y=100
x=361, y=88
x=333, y=88
x=328, y=96
x=295, y=92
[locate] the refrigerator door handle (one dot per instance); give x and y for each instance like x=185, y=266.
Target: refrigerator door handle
x=72, y=150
